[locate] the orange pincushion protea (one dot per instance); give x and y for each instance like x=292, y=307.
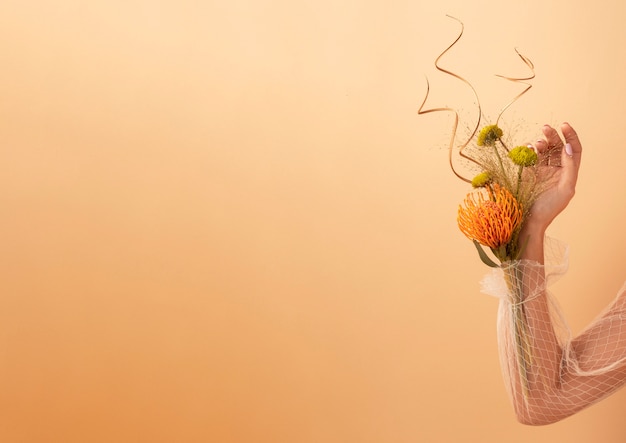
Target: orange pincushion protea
x=490, y=217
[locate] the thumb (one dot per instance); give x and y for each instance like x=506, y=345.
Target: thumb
x=571, y=137
x=570, y=156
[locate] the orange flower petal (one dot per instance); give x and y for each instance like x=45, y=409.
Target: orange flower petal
x=490, y=217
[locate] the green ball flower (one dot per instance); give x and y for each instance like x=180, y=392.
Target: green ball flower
x=481, y=180
x=523, y=156
x=489, y=135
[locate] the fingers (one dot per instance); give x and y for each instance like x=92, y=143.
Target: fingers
x=550, y=149
x=552, y=137
x=541, y=146
x=553, y=152
x=570, y=157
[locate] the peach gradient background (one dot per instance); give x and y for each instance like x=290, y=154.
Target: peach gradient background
x=225, y=222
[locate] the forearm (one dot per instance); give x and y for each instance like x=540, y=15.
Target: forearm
x=537, y=375
x=531, y=240
x=559, y=378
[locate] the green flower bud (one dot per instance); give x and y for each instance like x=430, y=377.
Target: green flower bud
x=481, y=180
x=489, y=135
x=523, y=156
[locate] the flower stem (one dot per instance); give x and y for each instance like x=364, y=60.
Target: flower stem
x=522, y=343
x=519, y=181
x=504, y=174
x=503, y=145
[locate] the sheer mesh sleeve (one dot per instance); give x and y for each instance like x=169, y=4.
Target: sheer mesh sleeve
x=549, y=374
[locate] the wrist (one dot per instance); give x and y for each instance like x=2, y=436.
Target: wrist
x=534, y=226
x=530, y=239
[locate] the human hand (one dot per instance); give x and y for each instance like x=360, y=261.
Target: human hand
x=560, y=160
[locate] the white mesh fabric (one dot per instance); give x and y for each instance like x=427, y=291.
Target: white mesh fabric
x=549, y=374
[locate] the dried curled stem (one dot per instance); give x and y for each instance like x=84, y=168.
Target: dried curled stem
x=454, y=111
x=465, y=144
x=522, y=80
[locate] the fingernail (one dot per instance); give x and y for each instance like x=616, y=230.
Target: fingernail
x=568, y=149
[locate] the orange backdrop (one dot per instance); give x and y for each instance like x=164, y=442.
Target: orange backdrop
x=225, y=222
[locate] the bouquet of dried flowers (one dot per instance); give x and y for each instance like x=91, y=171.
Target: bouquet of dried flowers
x=507, y=182
x=492, y=216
